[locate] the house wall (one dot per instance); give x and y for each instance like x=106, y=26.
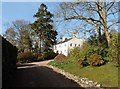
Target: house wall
x=74, y=43
x=64, y=48
x=61, y=48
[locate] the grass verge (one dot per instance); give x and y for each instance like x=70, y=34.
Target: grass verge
x=107, y=75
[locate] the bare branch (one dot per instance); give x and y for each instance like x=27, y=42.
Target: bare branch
x=75, y=11
x=98, y=10
x=110, y=6
x=112, y=24
x=81, y=18
x=112, y=13
x=99, y=6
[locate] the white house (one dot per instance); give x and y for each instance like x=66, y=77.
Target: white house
x=64, y=46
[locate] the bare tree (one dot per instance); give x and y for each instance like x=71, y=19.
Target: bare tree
x=99, y=15
x=20, y=34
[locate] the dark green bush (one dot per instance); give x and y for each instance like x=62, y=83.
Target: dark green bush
x=82, y=62
x=40, y=57
x=114, y=48
x=96, y=60
x=46, y=55
x=91, y=50
x=87, y=50
x=74, y=53
x=25, y=57
x=52, y=55
x=49, y=55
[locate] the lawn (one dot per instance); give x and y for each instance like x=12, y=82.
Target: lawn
x=107, y=75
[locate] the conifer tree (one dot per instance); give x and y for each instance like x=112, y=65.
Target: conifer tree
x=43, y=26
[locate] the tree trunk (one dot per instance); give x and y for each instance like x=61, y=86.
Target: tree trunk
x=98, y=29
x=40, y=41
x=99, y=37
x=107, y=36
x=105, y=24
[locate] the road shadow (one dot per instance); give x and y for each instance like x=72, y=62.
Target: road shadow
x=22, y=65
x=40, y=76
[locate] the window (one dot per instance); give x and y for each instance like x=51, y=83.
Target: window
x=65, y=45
x=75, y=45
x=71, y=44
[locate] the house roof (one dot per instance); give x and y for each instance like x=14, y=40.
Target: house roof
x=64, y=41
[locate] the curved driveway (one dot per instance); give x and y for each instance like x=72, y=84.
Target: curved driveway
x=37, y=74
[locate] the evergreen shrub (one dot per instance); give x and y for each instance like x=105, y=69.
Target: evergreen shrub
x=49, y=55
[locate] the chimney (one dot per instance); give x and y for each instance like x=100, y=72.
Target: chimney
x=62, y=39
x=74, y=35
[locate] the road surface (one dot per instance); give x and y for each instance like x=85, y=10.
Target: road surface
x=36, y=74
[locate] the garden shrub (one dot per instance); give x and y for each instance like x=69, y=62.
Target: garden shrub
x=114, y=48
x=46, y=55
x=85, y=51
x=52, y=55
x=25, y=57
x=60, y=58
x=96, y=60
x=82, y=63
x=49, y=55
x=89, y=50
x=83, y=54
x=94, y=54
x=80, y=53
x=74, y=53
x=40, y=57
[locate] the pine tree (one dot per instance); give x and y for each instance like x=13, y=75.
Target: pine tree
x=43, y=26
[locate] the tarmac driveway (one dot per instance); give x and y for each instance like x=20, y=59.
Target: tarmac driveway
x=37, y=74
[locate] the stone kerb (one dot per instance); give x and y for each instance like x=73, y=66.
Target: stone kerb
x=84, y=82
